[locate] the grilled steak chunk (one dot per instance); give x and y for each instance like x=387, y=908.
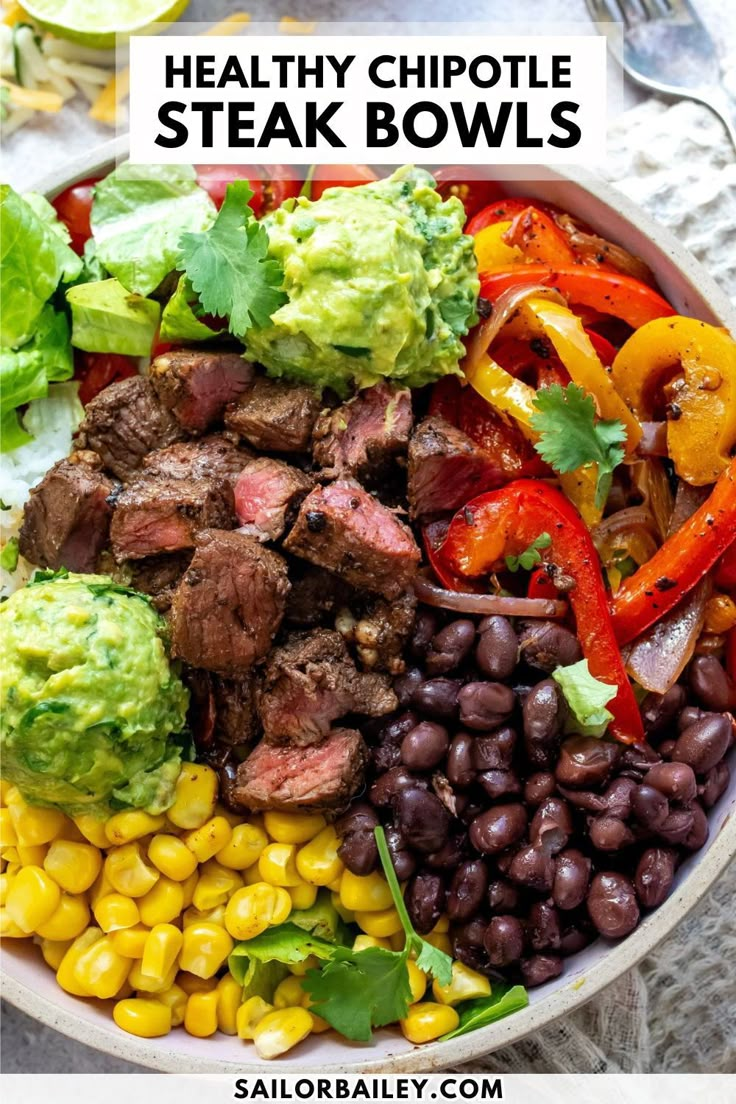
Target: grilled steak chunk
x=159, y=515
x=222, y=713
x=275, y=416
x=319, y=778
x=124, y=423
x=267, y=496
x=364, y=435
x=343, y=528
x=197, y=384
x=446, y=468
x=311, y=681
x=316, y=594
x=380, y=631
x=229, y=605
x=67, y=518
x=213, y=457
x=158, y=577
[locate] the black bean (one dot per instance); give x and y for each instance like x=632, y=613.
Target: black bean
x=636, y=760
x=423, y=819
x=677, y=826
x=502, y=896
x=659, y=711
x=584, y=799
x=450, y=647
x=572, y=875
x=425, y=626
x=547, y=645
x=655, y=873
x=425, y=746
x=650, y=806
x=551, y=825
x=386, y=789
x=459, y=768
x=543, y=927
x=618, y=797
x=612, y=905
x=715, y=784
x=575, y=939
x=666, y=748
x=704, y=743
x=585, y=761
x=538, y=786
x=498, y=648
x=543, y=715
x=495, y=751
x=698, y=834
x=468, y=888
x=533, y=868
x=498, y=828
x=504, y=940
x=425, y=901
x=404, y=862
x=675, y=780
x=485, y=705
x=540, y=968
x=500, y=783
x=472, y=809
x=608, y=833
x=467, y=944
x=711, y=685
x=406, y=684
x=437, y=697
x=450, y=854
x=387, y=752
x=689, y=715
x=358, y=848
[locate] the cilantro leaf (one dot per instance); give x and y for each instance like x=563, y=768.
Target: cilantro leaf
x=228, y=267
x=586, y=696
x=530, y=557
x=358, y=990
x=570, y=437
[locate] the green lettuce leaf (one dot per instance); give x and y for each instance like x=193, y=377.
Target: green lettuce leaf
x=33, y=262
x=107, y=319
x=47, y=214
x=139, y=213
x=179, y=322
x=25, y=372
x=586, y=696
x=504, y=1000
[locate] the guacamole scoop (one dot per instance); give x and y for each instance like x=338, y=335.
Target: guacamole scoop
x=381, y=283
x=89, y=705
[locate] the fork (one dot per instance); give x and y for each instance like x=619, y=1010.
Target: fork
x=666, y=47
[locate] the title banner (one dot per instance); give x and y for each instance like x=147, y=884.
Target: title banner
x=380, y=99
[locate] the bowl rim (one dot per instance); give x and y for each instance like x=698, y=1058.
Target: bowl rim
x=616, y=961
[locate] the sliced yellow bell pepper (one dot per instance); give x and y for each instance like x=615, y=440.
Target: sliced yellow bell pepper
x=491, y=250
x=691, y=366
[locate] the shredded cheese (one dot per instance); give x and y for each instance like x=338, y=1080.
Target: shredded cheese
x=32, y=97
x=231, y=25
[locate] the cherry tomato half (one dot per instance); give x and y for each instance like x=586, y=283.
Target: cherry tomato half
x=96, y=371
x=73, y=206
x=271, y=184
x=339, y=176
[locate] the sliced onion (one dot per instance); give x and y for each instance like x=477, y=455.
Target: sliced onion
x=593, y=249
x=485, y=334
x=659, y=656
x=487, y=604
x=650, y=478
x=653, y=439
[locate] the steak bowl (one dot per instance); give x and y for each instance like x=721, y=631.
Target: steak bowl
x=31, y=988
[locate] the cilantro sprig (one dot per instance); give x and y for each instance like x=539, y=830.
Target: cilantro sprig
x=531, y=556
x=571, y=438
x=228, y=265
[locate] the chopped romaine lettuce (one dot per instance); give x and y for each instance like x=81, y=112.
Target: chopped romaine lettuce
x=586, y=696
x=179, y=322
x=25, y=372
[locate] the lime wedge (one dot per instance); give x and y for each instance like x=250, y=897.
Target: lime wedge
x=98, y=24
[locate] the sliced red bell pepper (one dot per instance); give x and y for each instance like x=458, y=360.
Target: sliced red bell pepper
x=540, y=239
x=433, y=535
x=725, y=576
x=608, y=292
x=540, y=585
x=679, y=563
x=603, y=347
x=505, y=209
x=506, y=522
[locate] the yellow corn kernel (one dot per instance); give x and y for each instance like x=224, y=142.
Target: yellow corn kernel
x=100, y=970
x=175, y=1000
x=93, y=829
x=200, y=1018
x=128, y=871
x=334, y=885
x=53, y=951
x=215, y=886
x=195, y=796
x=146, y=983
x=381, y=924
x=363, y=942
x=250, y=1014
x=162, y=904
x=427, y=1021
x=229, y=996
x=172, y=857
x=129, y=942
x=67, y=921
x=317, y=862
x=162, y=946
x=417, y=981
x=10, y=855
x=188, y=887
x=299, y=969
x=32, y=855
x=13, y=796
x=33, y=898
x=252, y=909
x=212, y=916
x=74, y=866
x=281, y=1030
x=204, y=949
x=720, y=614
x=277, y=865
x=8, y=835
x=5, y=880
x=465, y=985
x=145, y=1018
x=289, y=993
x=126, y=827
x=440, y=940
x=303, y=895
x=103, y=887
x=206, y=841
x=318, y=1024
x=34, y=826
x=5, y=787
x=252, y=875
x=244, y=847
x=66, y=973
x=345, y=914
x=230, y=817
x=442, y=926
x=368, y=893
x=8, y=928
x=114, y=912
x=70, y=832
x=293, y=827
x=190, y=983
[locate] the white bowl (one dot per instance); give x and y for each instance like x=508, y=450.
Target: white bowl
x=30, y=985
